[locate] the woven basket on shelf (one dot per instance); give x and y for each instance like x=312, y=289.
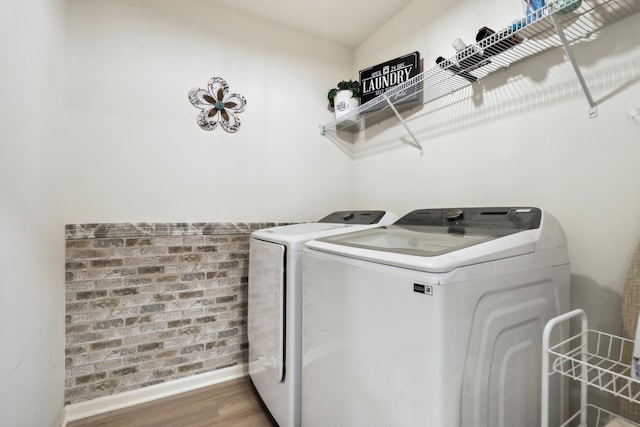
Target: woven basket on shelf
x=630, y=311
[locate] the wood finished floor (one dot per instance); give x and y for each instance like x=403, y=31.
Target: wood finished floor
x=233, y=403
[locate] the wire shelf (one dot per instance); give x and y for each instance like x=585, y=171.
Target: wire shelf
x=522, y=39
x=596, y=416
x=593, y=359
x=598, y=359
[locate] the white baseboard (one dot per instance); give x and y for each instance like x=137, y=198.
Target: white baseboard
x=76, y=411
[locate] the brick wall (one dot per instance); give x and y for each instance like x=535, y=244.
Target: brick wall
x=149, y=303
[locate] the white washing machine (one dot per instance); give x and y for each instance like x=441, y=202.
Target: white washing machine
x=274, y=324
x=433, y=321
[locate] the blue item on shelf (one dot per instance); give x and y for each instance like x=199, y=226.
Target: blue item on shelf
x=534, y=10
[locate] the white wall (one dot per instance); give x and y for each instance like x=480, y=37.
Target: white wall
x=137, y=153
x=521, y=137
x=31, y=215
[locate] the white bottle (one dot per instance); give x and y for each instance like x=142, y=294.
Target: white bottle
x=635, y=360
x=459, y=45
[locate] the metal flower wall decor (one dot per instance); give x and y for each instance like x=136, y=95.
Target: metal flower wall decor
x=217, y=105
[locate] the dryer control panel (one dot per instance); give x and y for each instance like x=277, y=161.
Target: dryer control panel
x=506, y=218
x=354, y=217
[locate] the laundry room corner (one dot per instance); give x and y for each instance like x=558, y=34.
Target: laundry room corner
x=185, y=214
x=158, y=210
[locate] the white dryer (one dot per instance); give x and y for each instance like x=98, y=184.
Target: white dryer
x=274, y=314
x=434, y=321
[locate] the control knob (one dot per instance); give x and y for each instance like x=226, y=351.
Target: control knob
x=454, y=215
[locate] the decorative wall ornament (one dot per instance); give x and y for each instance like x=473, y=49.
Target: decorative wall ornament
x=217, y=105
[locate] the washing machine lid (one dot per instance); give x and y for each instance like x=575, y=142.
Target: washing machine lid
x=294, y=236
x=440, y=240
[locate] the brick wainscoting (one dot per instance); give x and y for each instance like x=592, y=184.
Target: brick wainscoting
x=149, y=303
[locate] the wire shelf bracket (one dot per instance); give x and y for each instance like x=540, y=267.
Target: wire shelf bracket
x=593, y=110
x=407, y=128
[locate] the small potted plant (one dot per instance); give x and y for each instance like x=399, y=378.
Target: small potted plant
x=344, y=98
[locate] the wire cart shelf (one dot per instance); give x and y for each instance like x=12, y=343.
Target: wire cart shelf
x=594, y=359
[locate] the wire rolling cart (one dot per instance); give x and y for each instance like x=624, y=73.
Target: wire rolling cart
x=594, y=359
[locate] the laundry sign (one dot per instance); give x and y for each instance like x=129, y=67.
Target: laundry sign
x=376, y=80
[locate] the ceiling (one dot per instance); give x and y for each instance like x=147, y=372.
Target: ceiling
x=347, y=22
